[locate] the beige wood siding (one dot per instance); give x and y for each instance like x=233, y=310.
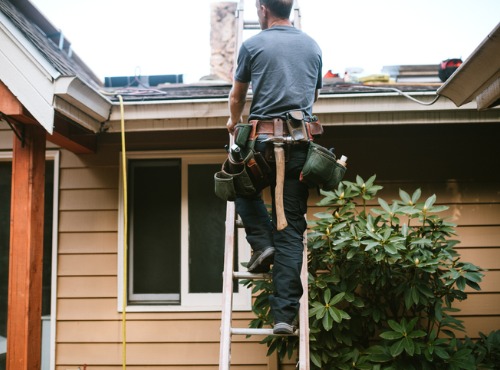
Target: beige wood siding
x=88, y=323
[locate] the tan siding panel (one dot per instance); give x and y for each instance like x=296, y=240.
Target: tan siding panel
x=87, y=286
x=490, y=283
x=106, y=309
x=479, y=304
x=87, y=309
x=88, y=221
x=81, y=243
x=106, y=156
x=158, y=354
x=145, y=331
x=474, y=214
x=88, y=265
x=476, y=324
x=478, y=236
x=173, y=367
x=89, y=178
x=88, y=199
x=486, y=258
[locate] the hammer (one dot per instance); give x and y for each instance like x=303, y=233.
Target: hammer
x=279, y=157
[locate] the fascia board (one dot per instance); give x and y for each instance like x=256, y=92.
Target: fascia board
x=26, y=73
x=78, y=93
x=172, y=109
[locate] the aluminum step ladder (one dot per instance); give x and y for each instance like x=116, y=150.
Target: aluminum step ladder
x=229, y=276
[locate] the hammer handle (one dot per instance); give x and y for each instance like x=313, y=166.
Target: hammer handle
x=279, y=156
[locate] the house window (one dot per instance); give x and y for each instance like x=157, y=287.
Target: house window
x=155, y=231
x=175, y=234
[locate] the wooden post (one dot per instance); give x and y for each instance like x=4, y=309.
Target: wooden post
x=26, y=251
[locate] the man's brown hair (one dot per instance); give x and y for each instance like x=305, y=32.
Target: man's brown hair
x=279, y=8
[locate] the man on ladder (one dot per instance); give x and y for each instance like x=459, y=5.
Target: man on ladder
x=284, y=67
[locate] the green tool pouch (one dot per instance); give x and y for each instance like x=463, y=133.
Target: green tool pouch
x=242, y=133
x=321, y=168
x=243, y=178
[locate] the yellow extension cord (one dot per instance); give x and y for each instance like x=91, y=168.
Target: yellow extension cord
x=125, y=248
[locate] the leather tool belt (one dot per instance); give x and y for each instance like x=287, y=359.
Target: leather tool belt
x=278, y=128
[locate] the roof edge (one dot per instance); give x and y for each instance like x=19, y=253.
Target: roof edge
x=480, y=70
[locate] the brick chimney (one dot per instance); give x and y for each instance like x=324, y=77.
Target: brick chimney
x=222, y=40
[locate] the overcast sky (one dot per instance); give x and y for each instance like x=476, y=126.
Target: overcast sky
x=150, y=37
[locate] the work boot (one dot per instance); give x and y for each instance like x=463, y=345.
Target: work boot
x=283, y=328
x=261, y=260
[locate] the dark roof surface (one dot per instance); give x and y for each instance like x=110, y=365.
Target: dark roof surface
x=32, y=24
x=221, y=90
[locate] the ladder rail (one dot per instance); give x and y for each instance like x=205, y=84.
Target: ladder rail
x=304, y=312
x=227, y=289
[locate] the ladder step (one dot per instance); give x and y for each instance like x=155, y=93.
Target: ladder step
x=250, y=276
x=251, y=25
x=255, y=331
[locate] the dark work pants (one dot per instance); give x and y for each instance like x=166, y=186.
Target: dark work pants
x=288, y=243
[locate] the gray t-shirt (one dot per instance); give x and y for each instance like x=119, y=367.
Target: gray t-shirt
x=284, y=66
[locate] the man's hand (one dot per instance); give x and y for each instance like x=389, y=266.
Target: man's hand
x=230, y=125
x=237, y=98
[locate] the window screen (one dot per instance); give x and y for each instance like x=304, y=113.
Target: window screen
x=155, y=230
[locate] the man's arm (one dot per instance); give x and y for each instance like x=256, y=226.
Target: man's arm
x=316, y=95
x=237, y=100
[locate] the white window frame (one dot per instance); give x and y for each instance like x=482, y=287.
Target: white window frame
x=189, y=301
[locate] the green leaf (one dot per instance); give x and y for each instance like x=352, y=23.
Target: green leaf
x=345, y=315
x=391, y=335
x=318, y=310
x=336, y=299
x=409, y=346
x=473, y=276
x=438, y=209
x=417, y=334
x=370, y=245
x=461, y=282
x=384, y=205
x=430, y=201
x=395, y=326
x=416, y=196
x=390, y=248
x=335, y=314
x=327, y=295
x=405, y=197
x=327, y=321
x=315, y=358
x=397, y=348
x=441, y=353
x=322, y=215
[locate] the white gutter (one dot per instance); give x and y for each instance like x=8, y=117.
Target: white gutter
x=478, y=74
x=95, y=107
